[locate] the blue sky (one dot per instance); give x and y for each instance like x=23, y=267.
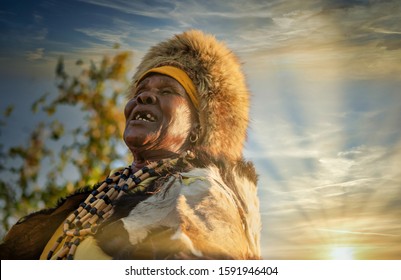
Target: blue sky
x=326, y=106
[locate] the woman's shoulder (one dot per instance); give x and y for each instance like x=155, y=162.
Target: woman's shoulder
x=205, y=162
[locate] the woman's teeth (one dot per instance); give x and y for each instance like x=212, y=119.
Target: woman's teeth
x=146, y=118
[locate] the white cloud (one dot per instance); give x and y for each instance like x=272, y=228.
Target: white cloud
x=35, y=55
x=106, y=35
x=37, y=18
x=143, y=8
x=311, y=34
x=359, y=233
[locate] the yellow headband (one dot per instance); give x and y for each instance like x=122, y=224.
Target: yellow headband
x=178, y=75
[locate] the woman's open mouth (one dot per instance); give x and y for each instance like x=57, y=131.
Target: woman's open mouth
x=145, y=116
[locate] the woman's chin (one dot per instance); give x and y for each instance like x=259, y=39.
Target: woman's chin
x=137, y=141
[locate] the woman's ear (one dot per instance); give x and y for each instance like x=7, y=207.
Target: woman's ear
x=195, y=133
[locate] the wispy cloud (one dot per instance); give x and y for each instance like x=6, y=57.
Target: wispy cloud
x=358, y=232
x=356, y=40
x=153, y=9
x=325, y=164
x=37, y=18
x=106, y=35
x=35, y=55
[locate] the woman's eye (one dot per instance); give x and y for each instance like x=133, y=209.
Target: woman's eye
x=166, y=91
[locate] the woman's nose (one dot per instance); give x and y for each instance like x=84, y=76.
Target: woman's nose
x=146, y=98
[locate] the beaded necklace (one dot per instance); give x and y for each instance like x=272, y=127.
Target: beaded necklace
x=98, y=206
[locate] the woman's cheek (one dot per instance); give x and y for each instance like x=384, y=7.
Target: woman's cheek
x=128, y=108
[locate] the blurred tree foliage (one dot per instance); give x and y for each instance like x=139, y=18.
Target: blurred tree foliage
x=33, y=170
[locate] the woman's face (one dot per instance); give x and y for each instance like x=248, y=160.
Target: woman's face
x=159, y=116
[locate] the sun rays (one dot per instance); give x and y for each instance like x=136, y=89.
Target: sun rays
x=327, y=153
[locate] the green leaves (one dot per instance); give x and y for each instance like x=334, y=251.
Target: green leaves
x=8, y=111
x=39, y=102
x=58, y=156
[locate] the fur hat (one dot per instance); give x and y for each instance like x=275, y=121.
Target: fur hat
x=222, y=91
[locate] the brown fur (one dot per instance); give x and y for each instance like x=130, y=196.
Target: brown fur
x=27, y=238
x=222, y=91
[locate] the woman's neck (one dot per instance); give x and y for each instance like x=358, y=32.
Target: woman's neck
x=143, y=158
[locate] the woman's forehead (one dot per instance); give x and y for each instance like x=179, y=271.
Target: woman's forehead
x=156, y=77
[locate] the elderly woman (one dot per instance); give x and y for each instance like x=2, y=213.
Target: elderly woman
x=188, y=194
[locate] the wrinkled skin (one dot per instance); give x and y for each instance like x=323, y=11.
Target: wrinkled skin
x=159, y=119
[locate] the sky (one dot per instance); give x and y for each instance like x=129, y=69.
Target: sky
x=325, y=78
